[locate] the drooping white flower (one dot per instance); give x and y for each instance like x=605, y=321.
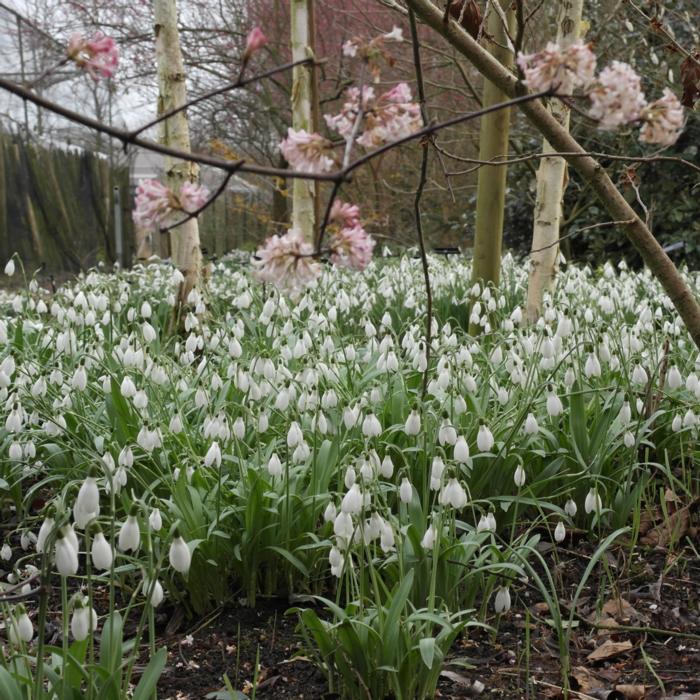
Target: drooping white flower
x=101, y=552
x=502, y=602
x=405, y=491
x=179, y=555
x=519, y=477
x=65, y=555
x=129, y=535
x=428, y=540
x=593, y=502
x=560, y=532
x=412, y=426
x=570, y=508
x=484, y=439
x=83, y=620
x=274, y=465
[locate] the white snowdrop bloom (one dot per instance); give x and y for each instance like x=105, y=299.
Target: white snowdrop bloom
x=127, y=387
x=593, y=502
x=447, y=435
x=460, y=405
x=5, y=552
x=330, y=513
x=366, y=471
x=501, y=601
x=155, y=520
x=625, y=415
x=592, y=367
x=569, y=377
x=350, y=417
x=46, y=527
x=301, y=453
x=343, y=525
x=519, y=477
x=239, y=428
x=149, y=332
x=10, y=267
x=530, y=427
x=386, y=468
x=428, y=541
x=126, y=457
x=491, y=520
x=350, y=477
x=436, y=471
x=453, y=494
x=337, y=561
x=689, y=419
x=554, y=405
x=405, y=491
x=156, y=589
x=175, y=425
x=179, y=554
x=461, y=450
x=201, y=398
x=470, y=384
x=20, y=628
x=639, y=375
x=412, y=426
x=352, y=500
x=274, y=465
x=640, y=406
x=294, y=435
x=140, y=400
x=65, y=555
x=496, y=356
x=570, y=508
x=80, y=378
x=386, y=537
x=502, y=395
x=628, y=439
x=101, y=552
x=15, y=452
x=371, y=427
x=83, y=620
x=484, y=439
x=676, y=423
x=129, y=535
x=484, y=524
x=692, y=383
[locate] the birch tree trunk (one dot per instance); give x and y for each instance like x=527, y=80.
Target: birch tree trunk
x=303, y=191
x=172, y=92
x=493, y=142
x=550, y=183
x=591, y=171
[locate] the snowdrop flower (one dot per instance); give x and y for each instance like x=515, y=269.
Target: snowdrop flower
x=386, y=538
x=461, y=450
x=155, y=520
x=83, y=620
x=5, y=552
x=519, y=477
x=438, y=467
x=20, y=628
x=129, y=533
x=628, y=439
x=674, y=378
x=405, y=491
x=101, y=552
x=639, y=375
x=560, y=532
x=343, y=526
x=371, y=427
x=428, y=541
x=676, y=423
x=88, y=500
x=156, y=589
x=46, y=527
x=501, y=603
x=274, y=466
x=213, y=456
x=689, y=419
x=65, y=555
x=592, y=367
x=570, y=508
x=484, y=439
x=447, y=435
x=337, y=561
x=352, y=501
x=412, y=426
x=10, y=267
x=179, y=555
x=453, y=494
x=625, y=414
x=530, y=427
x=593, y=502
x=386, y=468
x=294, y=435
x=554, y=405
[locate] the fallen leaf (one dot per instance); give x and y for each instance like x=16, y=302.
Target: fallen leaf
x=582, y=679
x=608, y=649
x=619, y=609
x=631, y=692
x=672, y=528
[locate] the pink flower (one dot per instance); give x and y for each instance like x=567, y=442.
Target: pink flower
x=560, y=69
x=352, y=247
x=286, y=261
x=307, y=153
x=154, y=204
x=617, y=98
x=350, y=48
x=99, y=56
x=344, y=214
x=663, y=120
x=193, y=197
x=254, y=42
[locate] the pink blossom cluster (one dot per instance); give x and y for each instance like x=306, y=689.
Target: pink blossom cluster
x=373, y=51
x=663, y=120
x=617, y=97
x=99, y=56
x=307, y=152
x=350, y=246
x=616, y=94
x=287, y=262
x=562, y=70
x=155, y=203
x=391, y=116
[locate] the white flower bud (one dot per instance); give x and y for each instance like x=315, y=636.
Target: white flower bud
x=180, y=556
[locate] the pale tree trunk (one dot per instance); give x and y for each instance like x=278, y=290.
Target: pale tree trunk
x=172, y=92
x=551, y=175
x=303, y=191
x=493, y=143
x=589, y=169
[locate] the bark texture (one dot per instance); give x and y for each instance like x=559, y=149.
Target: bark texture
x=590, y=170
x=550, y=183
x=303, y=191
x=172, y=92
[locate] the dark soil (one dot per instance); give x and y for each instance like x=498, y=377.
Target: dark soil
x=649, y=606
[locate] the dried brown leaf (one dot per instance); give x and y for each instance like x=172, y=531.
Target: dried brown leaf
x=608, y=649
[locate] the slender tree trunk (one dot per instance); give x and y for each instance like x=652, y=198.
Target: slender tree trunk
x=493, y=142
x=303, y=191
x=550, y=183
x=590, y=170
x=172, y=92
